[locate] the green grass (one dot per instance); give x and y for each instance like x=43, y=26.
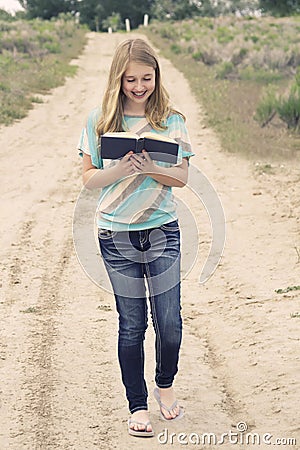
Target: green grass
x=288, y=289
x=30, y=310
x=34, y=58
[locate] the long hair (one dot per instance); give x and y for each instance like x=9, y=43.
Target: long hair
x=158, y=106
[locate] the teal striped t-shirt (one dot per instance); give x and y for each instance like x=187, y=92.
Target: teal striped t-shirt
x=135, y=202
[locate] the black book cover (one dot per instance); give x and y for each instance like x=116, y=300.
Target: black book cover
x=159, y=150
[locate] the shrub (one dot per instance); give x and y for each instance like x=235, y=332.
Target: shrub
x=239, y=56
x=6, y=16
x=224, y=35
x=175, y=48
x=197, y=56
x=254, y=39
x=288, y=108
x=168, y=32
x=52, y=47
x=267, y=107
x=5, y=26
x=224, y=70
x=295, y=58
x=208, y=57
x=114, y=22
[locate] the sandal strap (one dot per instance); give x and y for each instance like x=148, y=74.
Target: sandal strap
x=135, y=422
x=169, y=409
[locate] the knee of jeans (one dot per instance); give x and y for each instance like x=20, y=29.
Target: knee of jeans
x=171, y=332
x=131, y=336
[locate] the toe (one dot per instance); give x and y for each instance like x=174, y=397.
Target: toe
x=173, y=413
x=167, y=414
x=149, y=428
x=176, y=411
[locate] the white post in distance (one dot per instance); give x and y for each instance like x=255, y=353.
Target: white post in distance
x=109, y=30
x=146, y=20
x=77, y=18
x=127, y=24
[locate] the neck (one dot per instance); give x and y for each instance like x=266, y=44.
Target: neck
x=134, y=110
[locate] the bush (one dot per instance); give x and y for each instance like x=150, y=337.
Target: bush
x=288, y=108
x=225, y=70
x=114, y=22
x=208, y=57
x=6, y=16
x=267, y=107
x=239, y=56
x=280, y=8
x=197, y=56
x=168, y=32
x=175, y=48
x=224, y=35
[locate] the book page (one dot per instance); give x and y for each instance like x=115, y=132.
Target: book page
x=158, y=137
x=121, y=134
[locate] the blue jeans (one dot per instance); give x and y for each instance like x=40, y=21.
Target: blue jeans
x=134, y=259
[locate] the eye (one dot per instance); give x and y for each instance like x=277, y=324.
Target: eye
x=130, y=81
x=147, y=79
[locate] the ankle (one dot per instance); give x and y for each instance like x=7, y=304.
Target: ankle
x=140, y=412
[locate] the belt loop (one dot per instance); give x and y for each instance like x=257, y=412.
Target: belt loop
x=144, y=234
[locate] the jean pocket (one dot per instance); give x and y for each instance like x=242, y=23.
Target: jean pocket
x=171, y=226
x=105, y=234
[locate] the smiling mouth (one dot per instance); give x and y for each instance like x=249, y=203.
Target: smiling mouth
x=139, y=94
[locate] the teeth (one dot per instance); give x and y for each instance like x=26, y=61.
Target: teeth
x=139, y=95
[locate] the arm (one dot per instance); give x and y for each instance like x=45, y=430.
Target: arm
x=98, y=178
x=169, y=176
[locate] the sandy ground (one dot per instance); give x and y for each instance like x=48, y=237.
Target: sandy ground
x=60, y=383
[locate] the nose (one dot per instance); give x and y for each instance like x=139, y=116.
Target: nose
x=139, y=85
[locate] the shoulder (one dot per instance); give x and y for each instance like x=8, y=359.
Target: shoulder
x=175, y=117
x=94, y=116
x=175, y=120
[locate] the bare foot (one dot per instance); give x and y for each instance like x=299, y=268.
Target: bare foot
x=168, y=397
x=141, y=416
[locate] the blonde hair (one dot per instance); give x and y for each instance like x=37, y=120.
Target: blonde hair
x=158, y=106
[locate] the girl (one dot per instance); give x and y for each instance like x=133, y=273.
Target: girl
x=138, y=231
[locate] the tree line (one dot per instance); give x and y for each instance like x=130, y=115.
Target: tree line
x=100, y=14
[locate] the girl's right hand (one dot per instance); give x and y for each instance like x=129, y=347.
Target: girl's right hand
x=125, y=166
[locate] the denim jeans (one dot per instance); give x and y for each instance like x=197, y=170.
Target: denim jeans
x=136, y=261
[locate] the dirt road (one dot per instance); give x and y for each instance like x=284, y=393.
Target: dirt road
x=60, y=382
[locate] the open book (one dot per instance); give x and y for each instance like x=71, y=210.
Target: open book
x=161, y=148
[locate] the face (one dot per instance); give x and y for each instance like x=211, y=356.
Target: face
x=138, y=83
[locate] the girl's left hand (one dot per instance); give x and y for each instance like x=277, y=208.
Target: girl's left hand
x=143, y=163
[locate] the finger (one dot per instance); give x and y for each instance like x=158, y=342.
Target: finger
x=138, y=168
x=138, y=158
x=135, y=163
x=127, y=156
x=138, y=164
x=146, y=156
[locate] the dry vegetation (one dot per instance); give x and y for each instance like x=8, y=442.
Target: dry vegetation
x=34, y=57
x=231, y=63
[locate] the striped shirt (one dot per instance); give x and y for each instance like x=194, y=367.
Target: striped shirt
x=135, y=202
